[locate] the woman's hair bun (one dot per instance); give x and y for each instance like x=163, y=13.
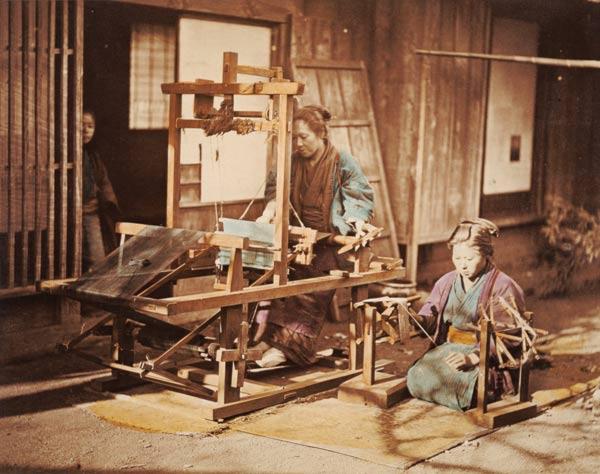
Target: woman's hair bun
x=326, y=114
x=322, y=111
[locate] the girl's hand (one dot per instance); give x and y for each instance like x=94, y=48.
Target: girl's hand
x=459, y=361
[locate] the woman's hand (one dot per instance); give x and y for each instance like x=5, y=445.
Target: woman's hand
x=459, y=361
x=268, y=214
x=357, y=225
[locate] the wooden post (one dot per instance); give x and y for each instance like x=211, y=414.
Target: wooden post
x=174, y=160
x=484, y=353
x=368, y=373
x=29, y=152
x=230, y=322
x=359, y=293
x=15, y=134
x=414, y=227
x=121, y=342
x=230, y=62
x=77, y=109
x=228, y=389
x=523, y=373
x=51, y=131
x=41, y=106
x=64, y=139
x=283, y=108
x=5, y=186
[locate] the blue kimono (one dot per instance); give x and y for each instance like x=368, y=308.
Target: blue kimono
x=345, y=194
x=431, y=378
x=324, y=194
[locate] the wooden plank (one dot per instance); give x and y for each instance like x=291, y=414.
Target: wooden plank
x=4, y=141
x=301, y=46
x=230, y=8
x=77, y=142
x=398, y=114
x=330, y=93
x=253, y=88
x=284, y=109
x=461, y=163
x=335, y=123
x=28, y=183
x=63, y=137
x=41, y=106
x=480, y=77
x=342, y=42
x=341, y=138
x=128, y=228
x=356, y=347
x=203, y=376
x=482, y=379
x=376, y=149
x=386, y=391
x=322, y=36
x=17, y=291
x=138, y=262
x=15, y=176
x=282, y=395
x=356, y=97
x=412, y=250
x=173, y=161
x=312, y=95
x=368, y=375
x=503, y=412
x=230, y=322
x=315, y=63
x=217, y=299
x=556, y=62
x=343, y=87
x=256, y=71
x=51, y=139
x=439, y=174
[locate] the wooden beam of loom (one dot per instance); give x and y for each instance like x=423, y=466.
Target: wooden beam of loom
x=253, y=88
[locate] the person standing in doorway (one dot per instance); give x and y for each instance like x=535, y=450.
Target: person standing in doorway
x=100, y=206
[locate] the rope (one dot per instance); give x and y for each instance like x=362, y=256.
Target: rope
x=418, y=324
x=296, y=215
x=260, y=188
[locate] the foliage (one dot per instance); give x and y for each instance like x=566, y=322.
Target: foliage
x=571, y=241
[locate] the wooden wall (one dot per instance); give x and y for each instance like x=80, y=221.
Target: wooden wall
x=40, y=142
x=568, y=115
x=330, y=29
x=453, y=106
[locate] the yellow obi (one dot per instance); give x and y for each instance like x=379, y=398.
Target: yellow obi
x=458, y=336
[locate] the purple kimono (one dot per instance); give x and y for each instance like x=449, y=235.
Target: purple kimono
x=495, y=285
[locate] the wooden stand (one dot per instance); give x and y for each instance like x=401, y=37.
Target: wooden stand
x=503, y=412
x=371, y=387
x=222, y=382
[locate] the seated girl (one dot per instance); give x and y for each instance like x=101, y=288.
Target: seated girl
x=447, y=373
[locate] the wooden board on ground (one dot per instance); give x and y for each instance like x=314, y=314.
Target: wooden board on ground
x=503, y=412
x=387, y=390
x=343, y=87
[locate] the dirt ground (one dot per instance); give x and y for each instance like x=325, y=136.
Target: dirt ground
x=45, y=426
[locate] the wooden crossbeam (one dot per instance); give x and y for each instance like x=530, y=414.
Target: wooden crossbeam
x=252, y=88
x=215, y=299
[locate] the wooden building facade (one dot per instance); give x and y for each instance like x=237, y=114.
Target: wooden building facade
x=432, y=117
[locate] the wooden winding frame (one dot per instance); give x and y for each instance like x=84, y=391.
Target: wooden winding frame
x=220, y=382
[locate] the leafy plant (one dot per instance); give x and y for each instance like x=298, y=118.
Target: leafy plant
x=571, y=241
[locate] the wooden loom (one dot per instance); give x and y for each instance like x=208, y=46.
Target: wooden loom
x=127, y=281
